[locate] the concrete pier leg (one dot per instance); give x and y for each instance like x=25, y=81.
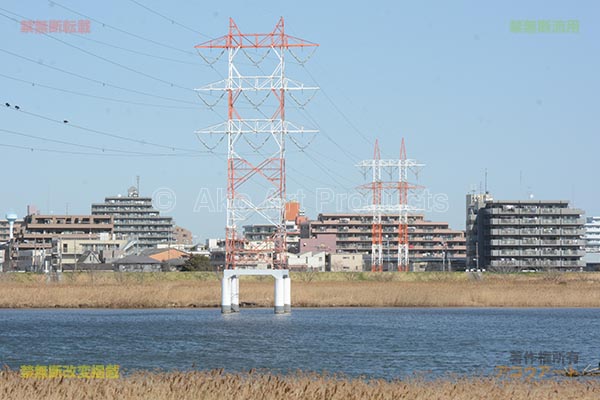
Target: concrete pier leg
x=287, y=294
x=235, y=294
x=226, y=295
x=279, y=290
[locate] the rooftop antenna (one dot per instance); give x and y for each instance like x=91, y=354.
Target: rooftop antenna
x=486, y=189
x=137, y=183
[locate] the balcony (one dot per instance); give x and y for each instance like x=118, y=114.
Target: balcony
x=572, y=242
x=573, y=232
x=505, y=221
x=504, y=232
x=505, y=253
x=528, y=263
x=551, y=211
x=573, y=221
x=503, y=211
x=505, y=242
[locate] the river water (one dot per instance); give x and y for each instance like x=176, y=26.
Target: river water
x=374, y=342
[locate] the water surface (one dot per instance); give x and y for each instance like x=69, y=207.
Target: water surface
x=384, y=342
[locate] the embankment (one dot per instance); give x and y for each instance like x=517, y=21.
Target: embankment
x=149, y=290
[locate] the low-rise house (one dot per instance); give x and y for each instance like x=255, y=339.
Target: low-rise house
x=346, y=262
x=307, y=261
x=137, y=264
x=165, y=254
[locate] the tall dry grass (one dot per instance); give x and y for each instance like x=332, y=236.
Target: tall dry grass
x=215, y=385
x=115, y=290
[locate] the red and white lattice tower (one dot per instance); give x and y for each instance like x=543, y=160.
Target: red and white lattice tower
x=376, y=189
x=256, y=130
x=382, y=203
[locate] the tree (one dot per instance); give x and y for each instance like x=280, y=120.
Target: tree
x=197, y=262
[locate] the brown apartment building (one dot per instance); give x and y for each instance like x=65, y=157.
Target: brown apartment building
x=37, y=231
x=432, y=245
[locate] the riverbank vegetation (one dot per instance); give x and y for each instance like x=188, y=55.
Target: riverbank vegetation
x=202, y=289
x=215, y=385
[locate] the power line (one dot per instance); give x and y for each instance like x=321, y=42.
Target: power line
x=140, y=52
x=169, y=19
x=102, y=149
x=181, y=25
x=103, y=133
x=328, y=171
x=103, y=83
x=343, y=149
x=36, y=84
x=47, y=150
x=101, y=57
x=344, y=116
x=104, y=24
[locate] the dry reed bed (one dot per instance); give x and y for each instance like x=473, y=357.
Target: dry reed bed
x=264, y=386
x=152, y=291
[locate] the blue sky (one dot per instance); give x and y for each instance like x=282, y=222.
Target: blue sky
x=465, y=92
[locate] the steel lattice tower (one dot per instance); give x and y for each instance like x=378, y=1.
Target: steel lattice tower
x=381, y=203
x=266, y=123
x=376, y=188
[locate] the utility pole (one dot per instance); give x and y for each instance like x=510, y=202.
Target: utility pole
x=444, y=247
x=75, y=253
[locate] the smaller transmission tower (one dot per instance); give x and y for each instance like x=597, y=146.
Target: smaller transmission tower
x=382, y=193
x=377, y=229
x=404, y=186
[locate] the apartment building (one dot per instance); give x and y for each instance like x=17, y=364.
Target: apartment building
x=262, y=232
x=475, y=202
x=38, y=231
x=592, y=235
x=135, y=217
x=432, y=245
x=529, y=235
x=182, y=236
x=592, y=243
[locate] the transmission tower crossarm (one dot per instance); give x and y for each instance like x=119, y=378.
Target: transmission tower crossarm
x=238, y=40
